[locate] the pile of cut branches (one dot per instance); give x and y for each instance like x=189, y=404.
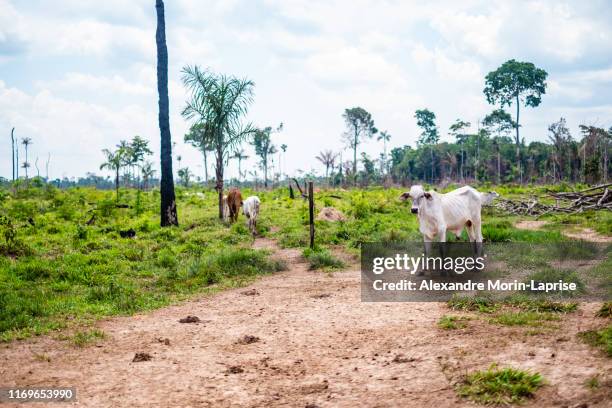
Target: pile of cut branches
x=593, y=198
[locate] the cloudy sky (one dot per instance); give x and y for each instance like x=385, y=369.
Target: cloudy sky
x=79, y=75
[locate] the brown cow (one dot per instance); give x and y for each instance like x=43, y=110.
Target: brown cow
x=234, y=202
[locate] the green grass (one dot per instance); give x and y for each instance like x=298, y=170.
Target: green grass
x=85, y=338
x=478, y=303
x=521, y=318
x=531, y=304
x=322, y=259
x=60, y=269
x=553, y=275
x=74, y=273
x=601, y=339
x=500, y=386
x=605, y=310
x=452, y=322
x=593, y=382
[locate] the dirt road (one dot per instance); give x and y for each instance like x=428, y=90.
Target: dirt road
x=314, y=344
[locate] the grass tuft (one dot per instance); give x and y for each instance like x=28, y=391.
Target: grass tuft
x=85, y=338
x=521, y=318
x=605, y=310
x=599, y=338
x=500, y=386
x=322, y=259
x=452, y=322
x=478, y=303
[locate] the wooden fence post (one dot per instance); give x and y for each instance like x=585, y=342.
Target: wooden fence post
x=311, y=213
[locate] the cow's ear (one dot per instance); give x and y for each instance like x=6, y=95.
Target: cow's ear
x=427, y=196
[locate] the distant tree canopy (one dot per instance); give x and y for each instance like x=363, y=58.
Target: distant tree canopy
x=512, y=83
x=359, y=126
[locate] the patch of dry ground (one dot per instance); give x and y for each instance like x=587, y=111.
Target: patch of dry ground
x=585, y=234
x=317, y=344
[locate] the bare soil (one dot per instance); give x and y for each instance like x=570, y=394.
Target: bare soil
x=585, y=234
x=318, y=345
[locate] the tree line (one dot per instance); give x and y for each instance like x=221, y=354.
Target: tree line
x=494, y=153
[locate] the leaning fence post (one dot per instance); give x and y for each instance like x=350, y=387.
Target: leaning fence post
x=311, y=213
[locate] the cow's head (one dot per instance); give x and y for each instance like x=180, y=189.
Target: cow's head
x=418, y=194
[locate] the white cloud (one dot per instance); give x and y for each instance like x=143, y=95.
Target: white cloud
x=309, y=59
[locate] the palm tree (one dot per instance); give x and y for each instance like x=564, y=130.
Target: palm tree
x=139, y=148
x=13, y=151
x=147, y=173
x=26, y=142
x=284, y=149
x=328, y=158
x=200, y=136
x=220, y=101
x=168, y=212
x=127, y=157
x=114, y=161
x=264, y=148
x=385, y=137
x=240, y=156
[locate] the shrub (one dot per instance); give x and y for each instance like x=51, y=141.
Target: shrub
x=166, y=258
x=322, y=259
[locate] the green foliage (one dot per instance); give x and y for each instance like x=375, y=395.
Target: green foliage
x=554, y=275
x=452, y=322
x=479, y=303
x=521, y=318
x=500, y=386
x=322, y=259
x=601, y=338
x=605, y=310
x=85, y=338
x=514, y=79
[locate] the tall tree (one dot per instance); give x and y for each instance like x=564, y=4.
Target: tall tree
x=221, y=102
x=328, y=159
x=360, y=125
x=457, y=130
x=201, y=136
x=426, y=120
x=284, y=150
x=13, y=151
x=26, y=142
x=385, y=137
x=264, y=148
x=114, y=161
x=516, y=82
x=500, y=123
x=147, y=174
x=561, y=138
x=168, y=213
x=240, y=156
x=139, y=149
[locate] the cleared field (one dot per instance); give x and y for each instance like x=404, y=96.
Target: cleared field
x=75, y=257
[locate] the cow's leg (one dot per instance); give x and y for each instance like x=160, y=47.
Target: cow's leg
x=443, y=248
x=478, y=236
x=427, y=243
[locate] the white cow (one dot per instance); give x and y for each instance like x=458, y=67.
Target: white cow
x=453, y=211
x=487, y=198
x=250, y=208
x=226, y=209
